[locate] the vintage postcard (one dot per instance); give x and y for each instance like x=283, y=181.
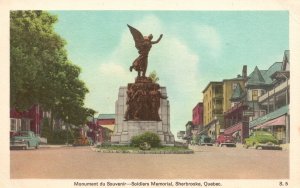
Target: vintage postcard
x=150, y=94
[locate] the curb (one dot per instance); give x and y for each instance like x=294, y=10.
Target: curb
x=142, y=152
x=55, y=146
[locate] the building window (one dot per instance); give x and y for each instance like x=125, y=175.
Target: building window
x=218, y=90
x=234, y=85
x=46, y=114
x=254, y=94
x=15, y=124
x=25, y=124
x=262, y=112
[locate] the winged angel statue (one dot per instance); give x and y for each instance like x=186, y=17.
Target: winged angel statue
x=143, y=44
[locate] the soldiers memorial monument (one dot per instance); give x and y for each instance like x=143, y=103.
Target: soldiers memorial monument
x=142, y=106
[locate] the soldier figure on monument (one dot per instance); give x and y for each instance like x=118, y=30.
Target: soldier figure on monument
x=155, y=96
x=140, y=97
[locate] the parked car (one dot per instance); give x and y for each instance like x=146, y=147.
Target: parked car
x=205, y=140
x=262, y=139
x=225, y=140
x=25, y=140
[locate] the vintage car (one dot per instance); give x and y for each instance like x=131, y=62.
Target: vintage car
x=263, y=140
x=24, y=140
x=205, y=141
x=225, y=140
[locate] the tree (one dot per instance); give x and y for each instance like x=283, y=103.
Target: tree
x=40, y=70
x=46, y=129
x=32, y=43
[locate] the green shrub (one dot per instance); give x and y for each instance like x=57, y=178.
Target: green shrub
x=145, y=146
x=149, y=137
x=61, y=137
x=106, y=144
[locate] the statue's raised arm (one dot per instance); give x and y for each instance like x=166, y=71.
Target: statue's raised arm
x=157, y=41
x=143, y=44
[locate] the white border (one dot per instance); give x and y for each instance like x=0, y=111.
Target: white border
x=293, y=6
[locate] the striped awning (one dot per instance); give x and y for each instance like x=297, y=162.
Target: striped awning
x=234, y=128
x=266, y=118
x=274, y=122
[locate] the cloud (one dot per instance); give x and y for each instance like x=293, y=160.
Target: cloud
x=105, y=80
x=176, y=66
x=108, y=68
x=210, y=38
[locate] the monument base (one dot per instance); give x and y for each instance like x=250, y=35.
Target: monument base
x=125, y=130
x=139, y=127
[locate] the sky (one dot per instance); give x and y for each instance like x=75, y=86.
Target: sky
x=197, y=47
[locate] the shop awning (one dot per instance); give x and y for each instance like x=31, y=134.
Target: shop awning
x=277, y=113
x=236, y=133
x=274, y=122
x=234, y=128
x=110, y=127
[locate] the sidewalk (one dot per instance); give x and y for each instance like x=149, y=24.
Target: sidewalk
x=239, y=145
x=55, y=146
x=285, y=146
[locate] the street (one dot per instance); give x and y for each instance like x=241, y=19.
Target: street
x=208, y=162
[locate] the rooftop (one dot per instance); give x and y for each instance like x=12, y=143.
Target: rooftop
x=211, y=83
x=234, y=79
x=263, y=77
x=106, y=116
x=256, y=78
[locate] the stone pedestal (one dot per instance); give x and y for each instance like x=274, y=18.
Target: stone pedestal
x=124, y=130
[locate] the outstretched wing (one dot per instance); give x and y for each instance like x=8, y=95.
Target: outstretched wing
x=137, y=36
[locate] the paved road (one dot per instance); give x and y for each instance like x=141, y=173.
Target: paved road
x=206, y=163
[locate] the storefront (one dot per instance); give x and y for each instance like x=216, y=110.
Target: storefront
x=239, y=131
x=276, y=122
x=236, y=121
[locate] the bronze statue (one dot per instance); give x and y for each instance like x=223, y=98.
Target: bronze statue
x=143, y=44
x=155, y=96
x=143, y=102
x=143, y=96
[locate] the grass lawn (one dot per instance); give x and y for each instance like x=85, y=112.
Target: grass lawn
x=130, y=148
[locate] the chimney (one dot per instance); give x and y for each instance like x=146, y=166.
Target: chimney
x=244, y=74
